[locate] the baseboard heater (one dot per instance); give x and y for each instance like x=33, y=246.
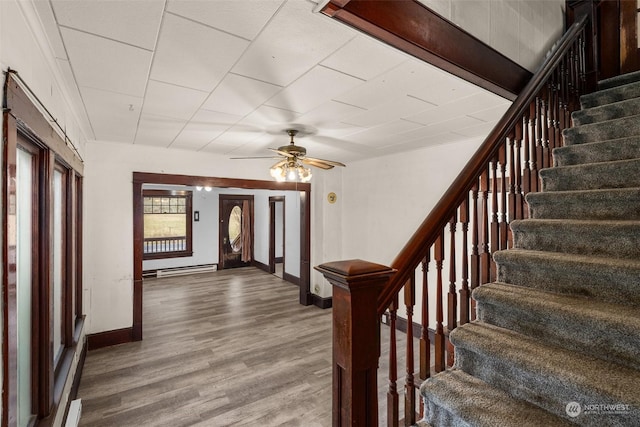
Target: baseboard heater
x=178, y=271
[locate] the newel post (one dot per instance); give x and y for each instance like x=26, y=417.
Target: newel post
x=356, y=339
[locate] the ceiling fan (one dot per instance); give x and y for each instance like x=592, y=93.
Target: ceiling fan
x=292, y=158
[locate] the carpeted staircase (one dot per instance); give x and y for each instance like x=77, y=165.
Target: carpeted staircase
x=557, y=340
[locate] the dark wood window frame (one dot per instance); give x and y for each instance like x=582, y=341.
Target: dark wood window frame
x=25, y=126
x=188, y=196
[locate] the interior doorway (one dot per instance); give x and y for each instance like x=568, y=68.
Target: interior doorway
x=276, y=236
x=235, y=241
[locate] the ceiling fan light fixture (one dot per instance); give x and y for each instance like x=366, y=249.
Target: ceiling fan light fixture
x=293, y=172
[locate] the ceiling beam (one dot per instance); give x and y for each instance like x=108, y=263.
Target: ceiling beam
x=415, y=29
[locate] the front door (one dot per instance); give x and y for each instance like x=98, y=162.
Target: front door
x=236, y=231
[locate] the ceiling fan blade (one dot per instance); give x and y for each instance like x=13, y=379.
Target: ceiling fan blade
x=330, y=162
x=316, y=163
x=280, y=163
x=284, y=153
x=257, y=157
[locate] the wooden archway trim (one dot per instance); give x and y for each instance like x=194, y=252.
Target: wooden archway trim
x=140, y=178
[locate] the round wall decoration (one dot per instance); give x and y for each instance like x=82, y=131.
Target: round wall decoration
x=331, y=197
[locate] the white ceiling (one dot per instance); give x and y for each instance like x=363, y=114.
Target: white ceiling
x=229, y=77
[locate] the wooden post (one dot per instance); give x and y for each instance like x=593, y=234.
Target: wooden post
x=356, y=339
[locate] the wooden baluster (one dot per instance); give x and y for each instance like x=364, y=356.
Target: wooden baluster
x=409, y=385
x=465, y=294
x=544, y=136
x=495, y=227
x=518, y=177
x=502, y=215
x=392, y=393
x=425, y=342
x=485, y=255
x=539, y=138
x=526, y=173
x=552, y=113
x=557, y=105
x=452, y=298
x=511, y=210
x=356, y=339
x=475, y=257
x=438, y=255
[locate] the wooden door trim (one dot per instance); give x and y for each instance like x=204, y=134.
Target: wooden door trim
x=272, y=233
x=222, y=197
x=140, y=178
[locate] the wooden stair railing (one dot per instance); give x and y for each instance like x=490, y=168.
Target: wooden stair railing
x=473, y=215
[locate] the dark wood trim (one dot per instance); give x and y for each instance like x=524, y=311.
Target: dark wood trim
x=413, y=28
x=629, y=52
x=78, y=253
x=24, y=126
x=140, y=178
x=272, y=232
x=261, y=266
x=109, y=338
x=75, y=386
x=292, y=279
x=321, y=302
x=305, y=250
x=9, y=282
x=22, y=108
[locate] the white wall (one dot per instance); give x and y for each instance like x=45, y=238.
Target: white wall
x=109, y=206
x=522, y=30
x=279, y=229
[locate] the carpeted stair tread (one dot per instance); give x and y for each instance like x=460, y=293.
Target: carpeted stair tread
x=620, y=239
x=476, y=403
x=608, y=204
x=616, y=110
x=603, y=131
x=592, y=176
x=608, y=96
x=619, y=80
x=572, y=322
x=595, y=152
x=545, y=374
x=610, y=279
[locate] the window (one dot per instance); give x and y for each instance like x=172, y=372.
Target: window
x=167, y=224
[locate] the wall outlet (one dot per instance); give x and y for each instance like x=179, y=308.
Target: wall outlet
x=316, y=289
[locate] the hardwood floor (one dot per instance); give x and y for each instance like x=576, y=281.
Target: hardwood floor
x=232, y=347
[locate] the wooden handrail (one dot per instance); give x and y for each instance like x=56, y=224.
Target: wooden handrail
x=425, y=236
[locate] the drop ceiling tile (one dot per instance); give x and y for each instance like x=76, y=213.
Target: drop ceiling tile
x=157, y=130
x=294, y=41
x=364, y=58
x=393, y=109
x=317, y=86
x=204, y=127
x=172, y=101
x=266, y=117
x=133, y=22
x=454, y=125
x=45, y=12
x=244, y=18
x=113, y=116
x=415, y=144
x=328, y=115
x=465, y=106
x=477, y=130
x=490, y=114
x=380, y=135
x=193, y=55
x=106, y=64
x=239, y=95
